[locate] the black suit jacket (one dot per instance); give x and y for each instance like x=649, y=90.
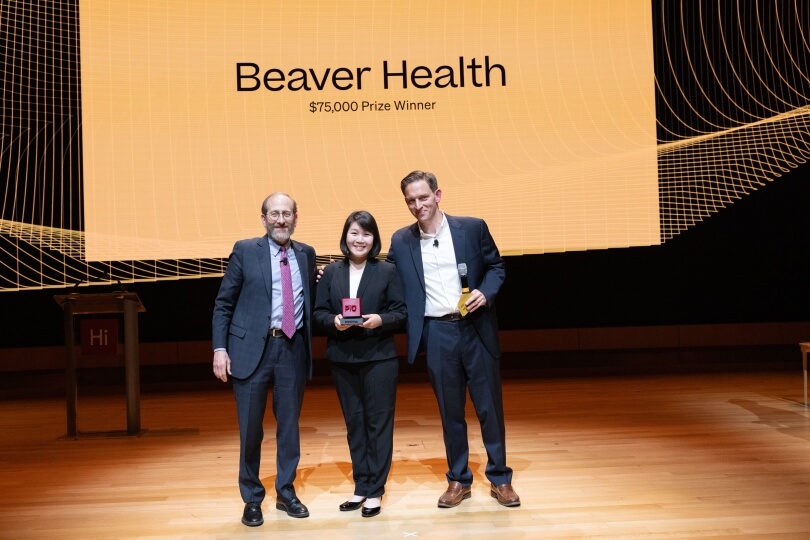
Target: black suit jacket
x=473, y=245
x=380, y=291
x=243, y=306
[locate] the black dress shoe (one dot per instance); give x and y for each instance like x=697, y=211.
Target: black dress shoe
x=371, y=512
x=348, y=506
x=293, y=507
x=252, y=516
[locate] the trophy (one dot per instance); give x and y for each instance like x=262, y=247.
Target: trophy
x=351, y=312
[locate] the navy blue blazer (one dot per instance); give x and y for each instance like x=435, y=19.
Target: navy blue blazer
x=243, y=306
x=486, y=272
x=380, y=292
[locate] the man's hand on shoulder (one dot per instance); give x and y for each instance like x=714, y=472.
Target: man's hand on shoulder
x=320, y=269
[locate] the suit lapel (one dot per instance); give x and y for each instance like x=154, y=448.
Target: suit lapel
x=459, y=236
x=344, y=271
x=415, y=248
x=303, y=267
x=265, y=264
x=343, y=278
x=365, y=279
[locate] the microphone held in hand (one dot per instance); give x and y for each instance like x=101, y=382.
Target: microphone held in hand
x=462, y=274
x=465, y=289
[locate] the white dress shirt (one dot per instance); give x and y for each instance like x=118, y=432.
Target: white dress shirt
x=442, y=283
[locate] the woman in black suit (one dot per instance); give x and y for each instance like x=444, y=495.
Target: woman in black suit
x=363, y=357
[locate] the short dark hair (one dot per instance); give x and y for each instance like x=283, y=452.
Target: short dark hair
x=416, y=176
x=366, y=222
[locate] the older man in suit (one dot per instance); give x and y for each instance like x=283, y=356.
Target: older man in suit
x=262, y=338
x=462, y=349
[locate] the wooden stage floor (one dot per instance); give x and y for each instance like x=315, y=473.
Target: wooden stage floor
x=677, y=456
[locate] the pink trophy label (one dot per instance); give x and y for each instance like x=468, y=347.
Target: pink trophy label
x=351, y=307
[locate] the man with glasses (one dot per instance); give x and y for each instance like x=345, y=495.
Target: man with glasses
x=262, y=338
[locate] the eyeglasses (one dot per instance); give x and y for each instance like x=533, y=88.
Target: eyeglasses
x=274, y=215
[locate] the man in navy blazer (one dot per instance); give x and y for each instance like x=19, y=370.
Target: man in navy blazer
x=262, y=349
x=462, y=350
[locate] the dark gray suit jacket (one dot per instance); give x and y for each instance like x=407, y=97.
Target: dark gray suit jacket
x=380, y=291
x=244, y=304
x=486, y=272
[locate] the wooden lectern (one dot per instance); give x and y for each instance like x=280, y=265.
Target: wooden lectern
x=99, y=303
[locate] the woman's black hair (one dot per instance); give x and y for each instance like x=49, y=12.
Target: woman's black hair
x=366, y=222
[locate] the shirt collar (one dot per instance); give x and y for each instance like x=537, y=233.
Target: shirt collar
x=425, y=236
x=275, y=249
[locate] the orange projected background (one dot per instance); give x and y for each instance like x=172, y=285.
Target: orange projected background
x=554, y=144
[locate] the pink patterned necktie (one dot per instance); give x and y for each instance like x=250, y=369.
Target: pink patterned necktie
x=287, y=303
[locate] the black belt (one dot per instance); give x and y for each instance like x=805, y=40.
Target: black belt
x=449, y=317
x=277, y=333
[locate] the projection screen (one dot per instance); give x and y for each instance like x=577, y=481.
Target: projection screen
x=538, y=116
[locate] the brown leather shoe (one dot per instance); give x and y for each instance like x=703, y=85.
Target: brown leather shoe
x=505, y=494
x=454, y=495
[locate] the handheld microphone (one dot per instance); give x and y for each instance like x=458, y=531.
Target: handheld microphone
x=436, y=243
x=465, y=290
x=462, y=274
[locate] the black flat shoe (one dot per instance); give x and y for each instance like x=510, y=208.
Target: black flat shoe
x=371, y=512
x=252, y=516
x=293, y=507
x=348, y=506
